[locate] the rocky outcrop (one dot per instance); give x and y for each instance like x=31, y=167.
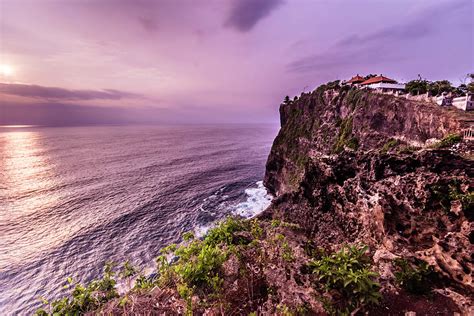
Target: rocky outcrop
x=325, y=122
x=350, y=166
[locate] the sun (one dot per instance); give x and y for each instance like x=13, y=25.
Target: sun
x=6, y=70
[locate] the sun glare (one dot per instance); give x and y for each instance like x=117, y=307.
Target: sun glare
x=6, y=70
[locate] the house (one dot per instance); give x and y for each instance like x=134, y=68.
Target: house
x=355, y=81
x=383, y=85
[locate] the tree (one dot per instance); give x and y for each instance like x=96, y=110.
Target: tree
x=295, y=98
x=461, y=90
x=416, y=87
x=370, y=76
x=439, y=87
x=287, y=100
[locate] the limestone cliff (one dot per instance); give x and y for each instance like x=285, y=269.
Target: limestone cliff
x=351, y=166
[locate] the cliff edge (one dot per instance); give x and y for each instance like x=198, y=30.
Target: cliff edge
x=373, y=214
x=354, y=167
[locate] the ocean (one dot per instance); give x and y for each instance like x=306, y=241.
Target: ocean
x=73, y=198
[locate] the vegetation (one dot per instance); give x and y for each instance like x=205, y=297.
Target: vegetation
x=391, y=143
x=348, y=272
x=415, y=278
x=345, y=137
x=448, y=141
x=444, y=194
x=84, y=298
x=196, y=265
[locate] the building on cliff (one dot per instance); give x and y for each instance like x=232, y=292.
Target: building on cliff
x=383, y=85
x=355, y=81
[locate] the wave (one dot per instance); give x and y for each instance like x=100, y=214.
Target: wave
x=258, y=199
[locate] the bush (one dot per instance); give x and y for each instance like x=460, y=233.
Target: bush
x=416, y=87
x=197, y=263
x=84, y=298
x=448, y=141
x=391, y=143
x=348, y=272
x=414, y=278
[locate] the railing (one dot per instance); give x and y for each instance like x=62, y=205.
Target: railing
x=468, y=134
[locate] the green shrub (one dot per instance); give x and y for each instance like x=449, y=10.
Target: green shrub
x=198, y=262
x=414, y=278
x=448, y=141
x=256, y=230
x=391, y=143
x=224, y=232
x=348, y=272
x=84, y=298
x=344, y=137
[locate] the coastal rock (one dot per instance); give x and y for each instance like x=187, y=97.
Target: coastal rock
x=351, y=166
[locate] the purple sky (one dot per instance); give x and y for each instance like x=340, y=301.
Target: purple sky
x=213, y=60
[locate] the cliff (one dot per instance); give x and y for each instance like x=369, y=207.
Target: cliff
x=373, y=214
x=351, y=166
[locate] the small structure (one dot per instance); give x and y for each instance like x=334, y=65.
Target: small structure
x=383, y=85
x=355, y=81
x=465, y=103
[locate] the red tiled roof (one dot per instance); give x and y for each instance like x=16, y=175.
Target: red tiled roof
x=356, y=79
x=377, y=80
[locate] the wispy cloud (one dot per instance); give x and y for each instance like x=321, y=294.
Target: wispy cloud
x=388, y=43
x=53, y=93
x=245, y=14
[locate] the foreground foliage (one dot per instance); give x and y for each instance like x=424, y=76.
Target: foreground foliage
x=415, y=278
x=85, y=298
x=191, y=266
x=348, y=272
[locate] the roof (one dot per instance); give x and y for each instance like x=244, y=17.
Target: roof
x=378, y=79
x=356, y=79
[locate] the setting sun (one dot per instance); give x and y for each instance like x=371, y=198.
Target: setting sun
x=6, y=70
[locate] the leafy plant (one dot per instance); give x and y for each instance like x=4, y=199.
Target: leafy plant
x=391, y=143
x=348, y=272
x=197, y=262
x=415, y=278
x=84, y=298
x=448, y=141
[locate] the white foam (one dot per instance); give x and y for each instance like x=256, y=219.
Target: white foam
x=257, y=201
x=201, y=231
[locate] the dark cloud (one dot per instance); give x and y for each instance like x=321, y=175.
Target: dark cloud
x=57, y=114
x=148, y=24
x=245, y=14
x=52, y=93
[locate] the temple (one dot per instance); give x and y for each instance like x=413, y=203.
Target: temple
x=383, y=84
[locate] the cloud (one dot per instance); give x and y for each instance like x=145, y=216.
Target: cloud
x=391, y=43
x=245, y=14
x=148, y=24
x=53, y=93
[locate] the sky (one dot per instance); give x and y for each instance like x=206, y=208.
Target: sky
x=212, y=61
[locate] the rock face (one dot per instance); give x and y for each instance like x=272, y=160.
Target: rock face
x=327, y=121
x=350, y=166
